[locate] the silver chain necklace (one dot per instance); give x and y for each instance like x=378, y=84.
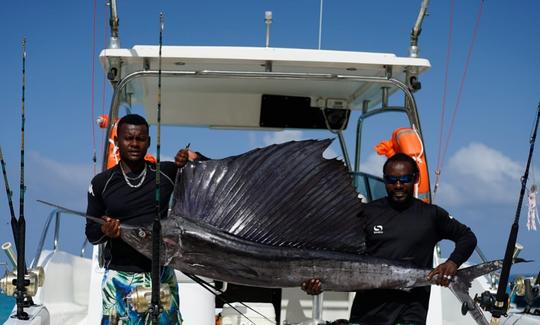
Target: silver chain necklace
x=128, y=179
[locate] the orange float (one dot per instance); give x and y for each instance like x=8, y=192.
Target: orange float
x=407, y=141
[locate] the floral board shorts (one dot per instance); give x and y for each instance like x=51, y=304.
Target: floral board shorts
x=116, y=285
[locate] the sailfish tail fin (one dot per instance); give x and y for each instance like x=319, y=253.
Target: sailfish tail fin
x=462, y=282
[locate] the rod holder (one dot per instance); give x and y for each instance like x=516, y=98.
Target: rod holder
x=7, y=247
x=517, y=249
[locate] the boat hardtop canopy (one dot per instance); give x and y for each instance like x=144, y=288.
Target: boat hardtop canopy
x=232, y=86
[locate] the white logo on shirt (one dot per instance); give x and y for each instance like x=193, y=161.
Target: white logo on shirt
x=378, y=229
x=91, y=190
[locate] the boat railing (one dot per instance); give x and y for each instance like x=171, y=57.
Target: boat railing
x=56, y=215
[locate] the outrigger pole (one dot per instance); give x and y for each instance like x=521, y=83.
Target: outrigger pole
x=156, y=227
x=501, y=303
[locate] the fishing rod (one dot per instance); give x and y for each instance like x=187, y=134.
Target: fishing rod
x=501, y=302
x=19, y=226
x=156, y=227
x=10, y=199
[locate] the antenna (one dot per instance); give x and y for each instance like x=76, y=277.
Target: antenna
x=415, y=33
x=320, y=22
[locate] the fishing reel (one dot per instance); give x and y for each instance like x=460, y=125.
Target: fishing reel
x=487, y=301
x=33, y=280
x=141, y=298
x=527, y=293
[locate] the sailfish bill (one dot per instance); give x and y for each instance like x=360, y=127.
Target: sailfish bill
x=275, y=217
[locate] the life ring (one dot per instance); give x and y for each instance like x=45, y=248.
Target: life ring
x=113, y=155
x=407, y=141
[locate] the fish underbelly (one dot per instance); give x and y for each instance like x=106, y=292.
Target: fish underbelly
x=227, y=258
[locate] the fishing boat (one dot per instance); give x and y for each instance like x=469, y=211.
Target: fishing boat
x=336, y=93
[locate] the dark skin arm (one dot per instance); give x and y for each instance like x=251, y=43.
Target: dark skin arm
x=446, y=272
x=182, y=157
x=111, y=227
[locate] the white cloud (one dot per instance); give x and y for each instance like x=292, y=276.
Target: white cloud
x=373, y=165
x=61, y=182
x=282, y=136
x=252, y=139
x=56, y=171
x=292, y=135
x=485, y=164
x=478, y=174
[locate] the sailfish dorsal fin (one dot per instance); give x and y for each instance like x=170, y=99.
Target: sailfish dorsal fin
x=283, y=195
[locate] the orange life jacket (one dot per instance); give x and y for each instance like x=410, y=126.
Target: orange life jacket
x=407, y=141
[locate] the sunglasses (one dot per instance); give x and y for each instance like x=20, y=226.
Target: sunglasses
x=404, y=179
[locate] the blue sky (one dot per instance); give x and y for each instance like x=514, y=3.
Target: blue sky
x=486, y=154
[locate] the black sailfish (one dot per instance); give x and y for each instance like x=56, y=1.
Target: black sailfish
x=278, y=216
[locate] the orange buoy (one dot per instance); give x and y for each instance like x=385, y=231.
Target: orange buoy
x=407, y=141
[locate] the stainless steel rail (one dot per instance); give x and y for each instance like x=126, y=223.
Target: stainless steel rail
x=56, y=215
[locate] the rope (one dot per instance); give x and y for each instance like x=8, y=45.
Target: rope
x=460, y=92
x=445, y=91
x=104, y=80
x=92, y=90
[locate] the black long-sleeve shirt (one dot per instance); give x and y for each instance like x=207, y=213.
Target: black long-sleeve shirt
x=109, y=195
x=407, y=234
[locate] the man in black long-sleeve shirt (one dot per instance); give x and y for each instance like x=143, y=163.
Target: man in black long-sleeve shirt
x=125, y=194
x=401, y=227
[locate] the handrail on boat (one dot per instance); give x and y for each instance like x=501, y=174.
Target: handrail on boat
x=56, y=214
